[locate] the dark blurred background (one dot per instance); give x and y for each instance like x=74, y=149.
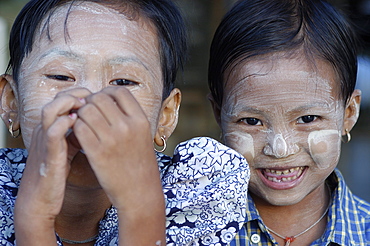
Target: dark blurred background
x=196, y=117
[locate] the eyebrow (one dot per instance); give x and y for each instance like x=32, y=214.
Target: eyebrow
x=65, y=53
x=126, y=59
x=297, y=109
x=117, y=60
x=312, y=105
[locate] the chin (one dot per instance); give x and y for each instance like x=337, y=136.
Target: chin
x=276, y=198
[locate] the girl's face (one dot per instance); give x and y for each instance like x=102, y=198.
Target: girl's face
x=287, y=119
x=100, y=48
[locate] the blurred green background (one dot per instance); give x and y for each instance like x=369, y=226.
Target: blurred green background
x=196, y=117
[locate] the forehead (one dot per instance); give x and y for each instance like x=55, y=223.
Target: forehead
x=282, y=78
x=96, y=21
x=89, y=31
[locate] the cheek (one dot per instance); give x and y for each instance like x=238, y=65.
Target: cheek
x=33, y=96
x=30, y=113
x=151, y=104
x=324, y=147
x=242, y=142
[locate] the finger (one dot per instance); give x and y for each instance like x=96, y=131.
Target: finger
x=106, y=105
x=87, y=137
x=94, y=119
x=126, y=102
x=52, y=141
x=76, y=92
x=62, y=105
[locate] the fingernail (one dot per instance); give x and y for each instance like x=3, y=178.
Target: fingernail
x=82, y=100
x=72, y=116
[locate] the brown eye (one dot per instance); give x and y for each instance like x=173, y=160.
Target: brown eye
x=307, y=119
x=251, y=121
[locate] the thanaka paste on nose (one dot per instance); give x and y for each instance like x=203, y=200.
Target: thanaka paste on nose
x=280, y=148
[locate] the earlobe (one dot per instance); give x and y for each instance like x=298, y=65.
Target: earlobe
x=8, y=107
x=169, y=117
x=352, y=111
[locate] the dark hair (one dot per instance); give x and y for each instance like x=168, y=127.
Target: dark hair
x=259, y=27
x=164, y=14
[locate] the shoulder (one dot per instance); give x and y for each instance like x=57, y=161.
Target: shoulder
x=12, y=163
x=346, y=200
x=202, y=156
x=351, y=213
x=108, y=228
x=205, y=187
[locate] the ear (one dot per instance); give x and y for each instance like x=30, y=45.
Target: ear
x=169, y=116
x=8, y=102
x=352, y=111
x=216, y=109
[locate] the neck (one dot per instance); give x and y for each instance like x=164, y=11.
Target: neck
x=293, y=219
x=81, y=212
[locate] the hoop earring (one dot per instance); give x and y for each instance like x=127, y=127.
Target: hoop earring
x=164, y=145
x=348, y=136
x=14, y=134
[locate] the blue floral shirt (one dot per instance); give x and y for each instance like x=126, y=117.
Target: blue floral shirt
x=204, y=183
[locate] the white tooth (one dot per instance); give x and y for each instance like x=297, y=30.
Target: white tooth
x=291, y=170
x=284, y=179
x=294, y=177
x=278, y=172
x=272, y=171
x=286, y=171
x=290, y=178
x=269, y=178
x=276, y=180
x=268, y=170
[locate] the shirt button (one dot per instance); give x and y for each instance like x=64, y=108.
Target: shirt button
x=255, y=238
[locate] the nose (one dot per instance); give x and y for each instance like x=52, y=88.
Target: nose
x=279, y=146
x=94, y=82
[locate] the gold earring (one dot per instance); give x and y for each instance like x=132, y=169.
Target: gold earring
x=14, y=134
x=348, y=136
x=164, y=145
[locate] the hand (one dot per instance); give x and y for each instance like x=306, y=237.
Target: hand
x=41, y=192
x=115, y=135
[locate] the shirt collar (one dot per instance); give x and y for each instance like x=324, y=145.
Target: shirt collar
x=338, y=223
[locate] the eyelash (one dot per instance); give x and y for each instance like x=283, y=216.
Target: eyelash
x=123, y=82
x=60, y=77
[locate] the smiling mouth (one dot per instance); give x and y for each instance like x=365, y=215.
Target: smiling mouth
x=282, y=175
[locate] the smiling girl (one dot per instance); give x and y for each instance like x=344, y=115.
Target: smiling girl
x=91, y=87
x=282, y=76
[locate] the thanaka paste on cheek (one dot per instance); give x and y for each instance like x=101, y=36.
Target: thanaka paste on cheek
x=324, y=146
x=241, y=142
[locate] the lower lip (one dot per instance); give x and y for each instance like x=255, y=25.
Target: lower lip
x=281, y=185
